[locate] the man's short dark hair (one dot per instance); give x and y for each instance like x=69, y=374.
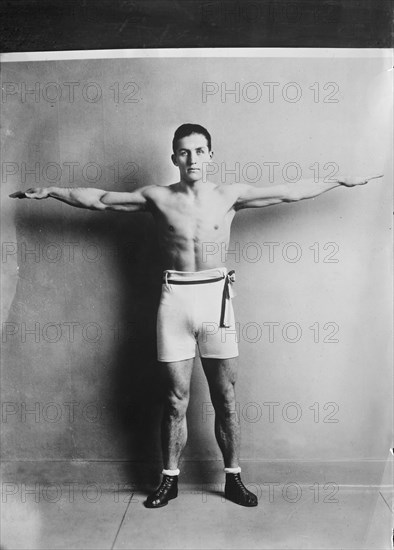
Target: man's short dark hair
x=189, y=129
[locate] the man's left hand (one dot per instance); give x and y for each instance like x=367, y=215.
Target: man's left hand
x=351, y=181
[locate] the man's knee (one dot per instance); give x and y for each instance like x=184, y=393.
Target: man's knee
x=223, y=399
x=177, y=403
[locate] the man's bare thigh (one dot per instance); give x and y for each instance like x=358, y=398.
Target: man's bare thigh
x=220, y=373
x=177, y=376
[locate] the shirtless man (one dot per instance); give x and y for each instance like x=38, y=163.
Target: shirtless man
x=193, y=218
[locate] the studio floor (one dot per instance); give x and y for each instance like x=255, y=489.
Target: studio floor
x=302, y=516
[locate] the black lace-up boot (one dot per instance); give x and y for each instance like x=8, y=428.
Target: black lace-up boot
x=236, y=491
x=167, y=490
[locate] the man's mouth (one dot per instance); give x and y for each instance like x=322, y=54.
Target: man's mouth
x=193, y=169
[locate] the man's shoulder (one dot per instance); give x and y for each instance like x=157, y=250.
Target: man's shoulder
x=159, y=194
x=151, y=191
x=230, y=189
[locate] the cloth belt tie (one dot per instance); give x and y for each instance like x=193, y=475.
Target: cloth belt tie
x=228, y=292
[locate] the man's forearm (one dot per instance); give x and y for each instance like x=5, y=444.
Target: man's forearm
x=79, y=197
x=308, y=189
x=88, y=197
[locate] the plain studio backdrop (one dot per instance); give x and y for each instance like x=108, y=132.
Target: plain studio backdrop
x=81, y=391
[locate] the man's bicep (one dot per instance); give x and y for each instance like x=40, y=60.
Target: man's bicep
x=131, y=201
x=255, y=197
x=256, y=203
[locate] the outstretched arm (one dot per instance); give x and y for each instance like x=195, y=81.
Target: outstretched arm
x=90, y=198
x=255, y=197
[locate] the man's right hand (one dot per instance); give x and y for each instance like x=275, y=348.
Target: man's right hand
x=32, y=193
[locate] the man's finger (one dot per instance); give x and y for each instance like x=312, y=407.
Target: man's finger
x=18, y=195
x=375, y=177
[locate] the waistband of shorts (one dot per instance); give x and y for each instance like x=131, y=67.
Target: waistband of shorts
x=188, y=277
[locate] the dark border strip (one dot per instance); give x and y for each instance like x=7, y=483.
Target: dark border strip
x=46, y=25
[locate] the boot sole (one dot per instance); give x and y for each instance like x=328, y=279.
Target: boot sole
x=240, y=503
x=159, y=505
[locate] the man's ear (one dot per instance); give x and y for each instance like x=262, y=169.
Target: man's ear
x=210, y=154
x=173, y=158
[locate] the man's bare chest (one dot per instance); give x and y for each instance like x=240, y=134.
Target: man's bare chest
x=194, y=217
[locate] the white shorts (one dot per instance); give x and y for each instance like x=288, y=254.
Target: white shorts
x=196, y=308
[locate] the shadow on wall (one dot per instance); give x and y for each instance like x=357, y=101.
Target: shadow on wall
x=131, y=388
x=137, y=389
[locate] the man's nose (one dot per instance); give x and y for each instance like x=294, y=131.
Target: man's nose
x=192, y=158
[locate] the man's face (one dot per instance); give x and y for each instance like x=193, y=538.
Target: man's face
x=192, y=156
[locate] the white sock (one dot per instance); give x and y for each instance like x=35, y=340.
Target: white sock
x=236, y=470
x=171, y=472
